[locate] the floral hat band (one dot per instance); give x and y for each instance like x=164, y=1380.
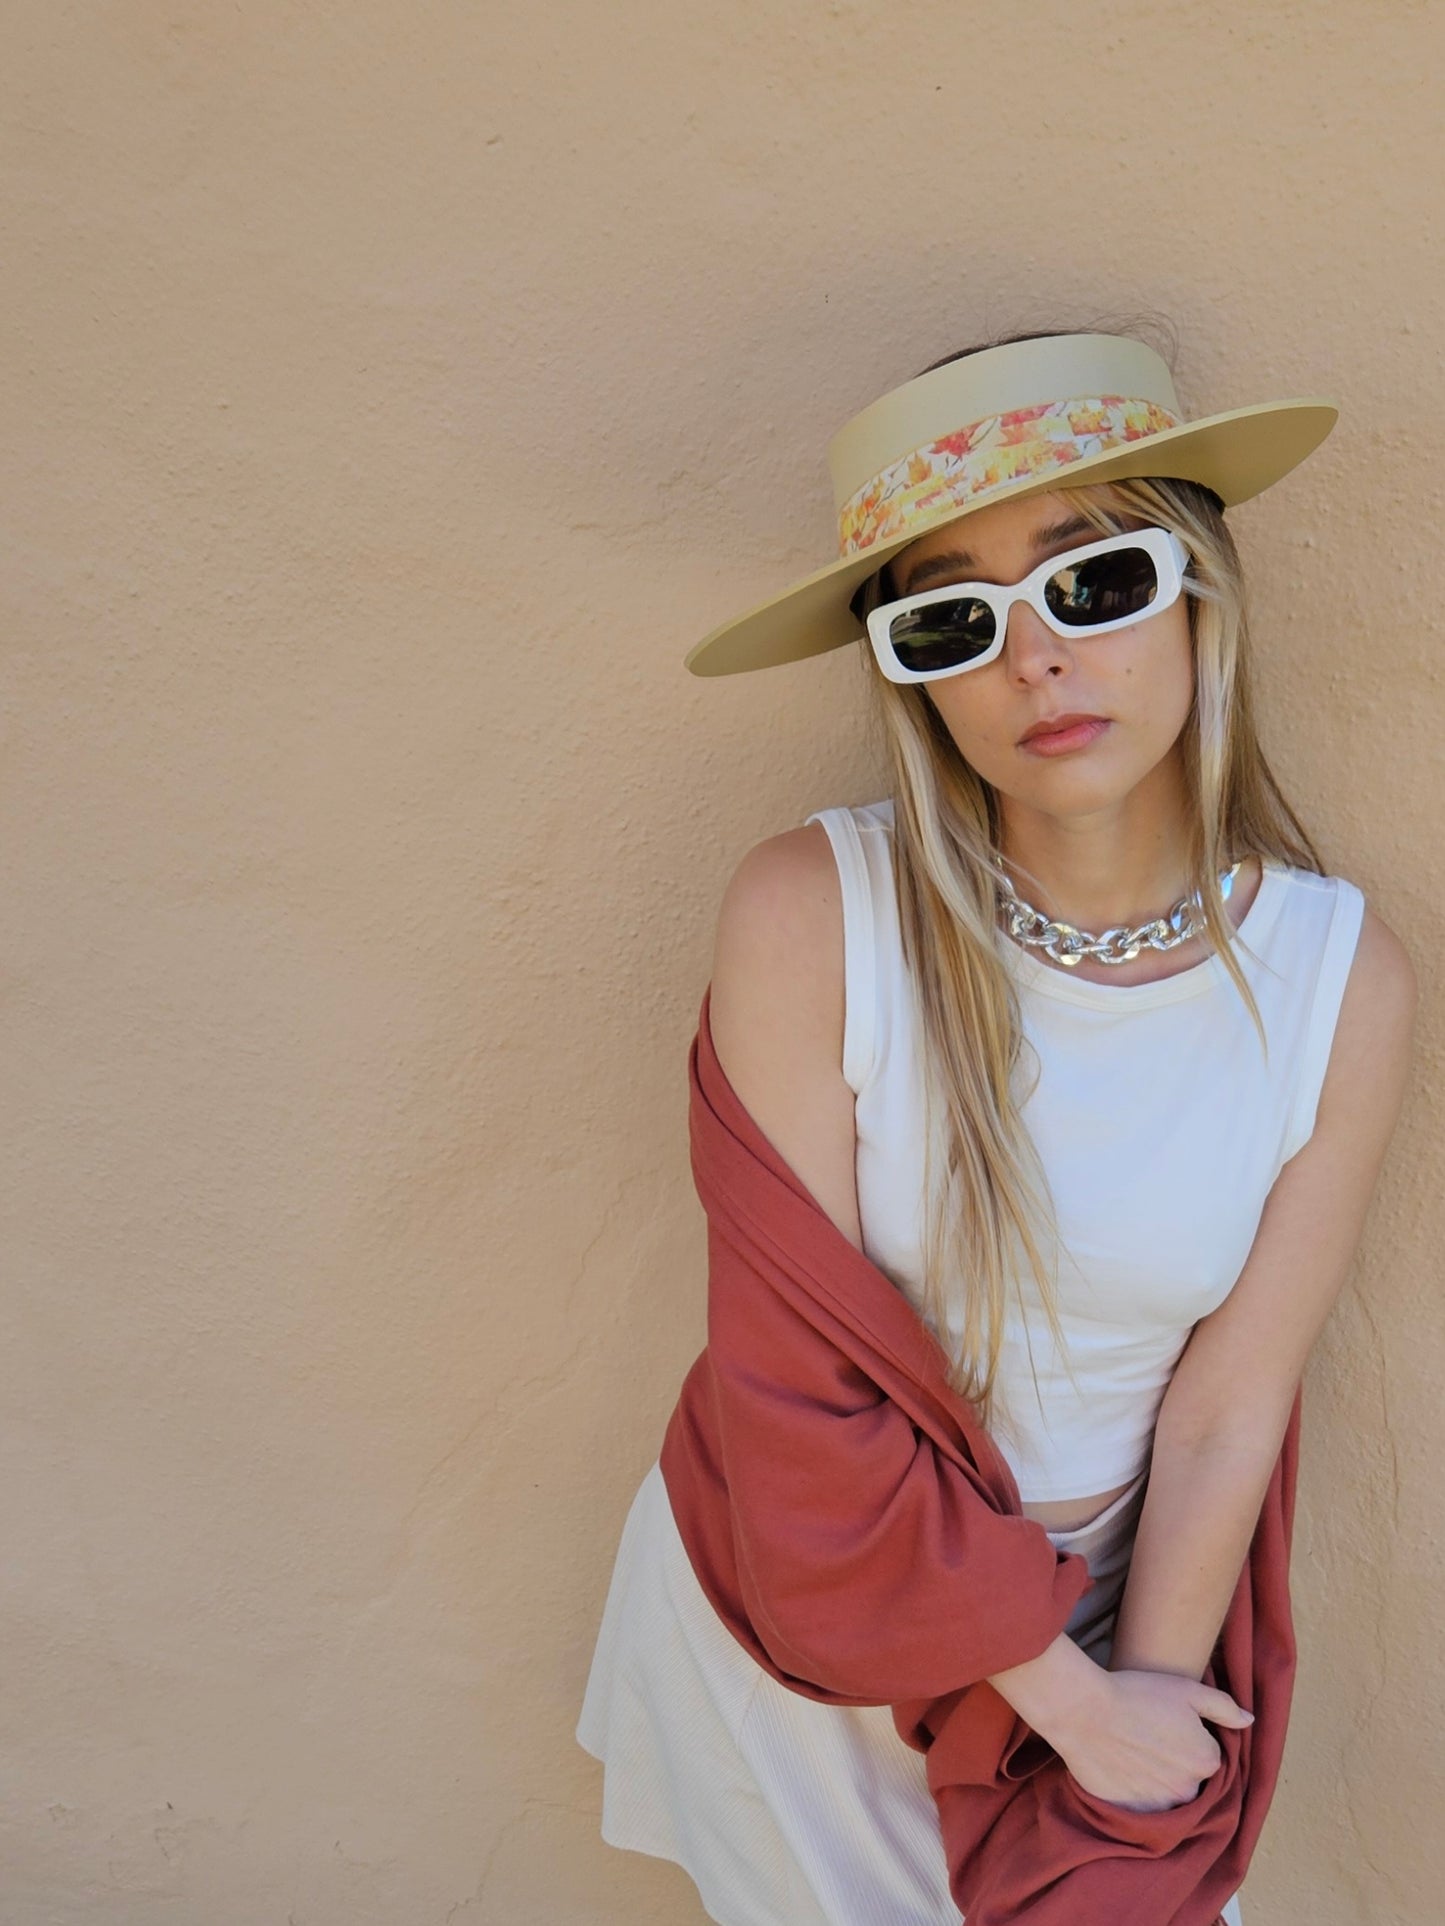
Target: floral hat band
x=987, y=453
x=1054, y=411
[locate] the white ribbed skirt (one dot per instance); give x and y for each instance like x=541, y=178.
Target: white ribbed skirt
x=784, y=1811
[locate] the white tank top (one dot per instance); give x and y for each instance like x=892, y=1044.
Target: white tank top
x=1158, y=1123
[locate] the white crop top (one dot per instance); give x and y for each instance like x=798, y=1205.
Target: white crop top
x=1159, y=1125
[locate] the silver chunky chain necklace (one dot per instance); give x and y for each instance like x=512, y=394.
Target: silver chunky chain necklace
x=1067, y=945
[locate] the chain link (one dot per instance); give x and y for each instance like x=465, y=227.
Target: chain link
x=1120, y=944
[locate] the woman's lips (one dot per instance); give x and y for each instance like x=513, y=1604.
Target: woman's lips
x=1058, y=742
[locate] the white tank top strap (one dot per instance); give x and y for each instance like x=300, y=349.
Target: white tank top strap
x=1336, y=954
x=863, y=866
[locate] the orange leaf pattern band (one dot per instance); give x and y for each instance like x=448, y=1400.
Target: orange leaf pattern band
x=998, y=449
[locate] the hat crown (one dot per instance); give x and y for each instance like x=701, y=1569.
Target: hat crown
x=993, y=381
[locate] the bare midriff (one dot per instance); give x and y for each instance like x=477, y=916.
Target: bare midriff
x=1067, y=1514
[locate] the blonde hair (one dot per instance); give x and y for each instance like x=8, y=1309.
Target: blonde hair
x=986, y=1194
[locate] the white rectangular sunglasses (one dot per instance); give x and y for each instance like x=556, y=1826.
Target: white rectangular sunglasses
x=1086, y=591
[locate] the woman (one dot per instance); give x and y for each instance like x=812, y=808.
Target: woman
x=1073, y=1034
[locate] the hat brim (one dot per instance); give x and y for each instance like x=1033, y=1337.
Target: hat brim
x=1238, y=454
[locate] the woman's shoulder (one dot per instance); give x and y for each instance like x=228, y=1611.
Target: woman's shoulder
x=807, y=920
x=795, y=881
x=779, y=1013
x=780, y=920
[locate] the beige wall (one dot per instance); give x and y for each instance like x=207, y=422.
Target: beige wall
x=392, y=393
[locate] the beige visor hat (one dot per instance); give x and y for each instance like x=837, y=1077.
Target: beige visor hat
x=997, y=425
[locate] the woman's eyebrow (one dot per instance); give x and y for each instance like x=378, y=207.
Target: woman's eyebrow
x=960, y=558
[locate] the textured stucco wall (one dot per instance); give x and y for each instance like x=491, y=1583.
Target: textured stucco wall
x=391, y=395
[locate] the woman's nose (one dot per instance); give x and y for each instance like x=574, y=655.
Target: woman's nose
x=1031, y=647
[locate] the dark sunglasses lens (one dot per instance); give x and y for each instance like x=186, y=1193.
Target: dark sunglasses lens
x=1103, y=588
x=942, y=635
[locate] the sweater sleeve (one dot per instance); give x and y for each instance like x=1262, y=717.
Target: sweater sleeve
x=871, y=1558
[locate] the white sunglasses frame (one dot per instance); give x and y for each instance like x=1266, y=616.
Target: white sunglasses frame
x=1168, y=553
